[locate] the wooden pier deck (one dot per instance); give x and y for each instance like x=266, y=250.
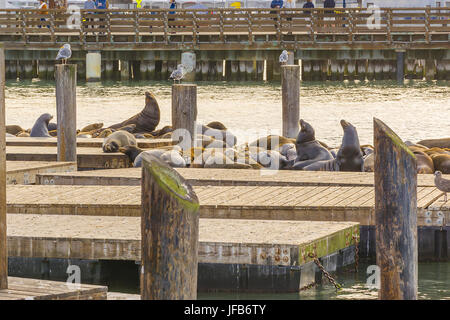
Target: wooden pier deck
x=225, y=177
x=32, y=289
x=307, y=203
x=82, y=142
x=92, y=158
x=25, y=172
x=256, y=242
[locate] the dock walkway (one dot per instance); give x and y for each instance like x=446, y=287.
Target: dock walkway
x=307, y=203
x=225, y=177
x=25, y=172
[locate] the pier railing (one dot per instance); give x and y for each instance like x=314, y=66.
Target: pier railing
x=220, y=25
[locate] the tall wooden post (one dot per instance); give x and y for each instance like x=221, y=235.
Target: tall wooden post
x=3, y=248
x=290, y=84
x=184, y=112
x=400, y=66
x=169, y=231
x=66, y=110
x=395, y=215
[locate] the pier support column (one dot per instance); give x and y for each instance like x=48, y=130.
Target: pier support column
x=169, y=233
x=395, y=215
x=189, y=60
x=124, y=70
x=66, y=110
x=184, y=114
x=93, y=66
x=430, y=69
x=306, y=70
x=3, y=248
x=290, y=84
x=400, y=66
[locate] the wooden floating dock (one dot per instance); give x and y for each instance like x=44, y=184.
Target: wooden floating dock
x=225, y=177
x=87, y=158
x=306, y=203
x=256, y=242
x=31, y=289
x=82, y=142
x=25, y=172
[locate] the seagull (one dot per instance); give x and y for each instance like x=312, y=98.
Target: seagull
x=64, y=53
x=178, y=74
x=284, y=57
x=442, y=184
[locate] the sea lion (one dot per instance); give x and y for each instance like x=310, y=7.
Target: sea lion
x=129, y=128
x=309, y=150
x=52, y=126
x=424, y=162
x=118, y=139
x=441, y=162
x=147, y=120
x=289, y=151
x=14, y=129
x=10, y=135
x=216, y=125
x=272, y=159
x=219, y=161
x=271, y=142
x=369, y=162
x=92, y=127
x=349, y=156
x=224, y=135
x=40, y=127
x=173, y=158
x=53, y=133
x=104, y=134
x=23, y=134
x=163, y=131
x=440, y=143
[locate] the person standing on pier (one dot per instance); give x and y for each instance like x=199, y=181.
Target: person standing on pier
x=329, y=13
x=101, y=4
x=89, y=4
x=276, y=4
x=43, y=9
x=307, y=5
x=173, y=5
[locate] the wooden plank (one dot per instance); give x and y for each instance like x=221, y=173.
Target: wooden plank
x=341, y=203
x=25, y=172
x=220, y=240
x=87, y=157
x=32, y=289
x=226, y=177
x=82, y=142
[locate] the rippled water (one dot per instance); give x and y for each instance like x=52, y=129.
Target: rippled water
x=416, y=111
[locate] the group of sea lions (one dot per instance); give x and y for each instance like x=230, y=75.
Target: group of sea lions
x=216, y=147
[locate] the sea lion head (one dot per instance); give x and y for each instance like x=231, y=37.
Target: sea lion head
x=216, y=125
x=438, y=174
x=111, y=147
x=306, y=133
x=349, y=156
x=46, y=117
x=149, y=98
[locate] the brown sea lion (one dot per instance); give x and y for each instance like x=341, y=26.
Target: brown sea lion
x=424, y=162
x=217, y=125
x=146, y=120
x=14, y=129
x=271, y=142
x=226, y=136
x=441, y=162
x=117, y=140
x=440, y=143
x=163, y=131
x=53, y=133
x=92, y=127
x=23, y=134
x=104, y=133
x=129, y=128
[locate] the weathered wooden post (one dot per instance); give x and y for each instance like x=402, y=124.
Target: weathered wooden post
x=290, y=84
x=3, y=248
x=184, y=113
x=66, y=110
x=395, y=215
x=400, y=66
x=169, y=233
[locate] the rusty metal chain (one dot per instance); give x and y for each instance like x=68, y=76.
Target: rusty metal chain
x=309, y=286
x=325, y=272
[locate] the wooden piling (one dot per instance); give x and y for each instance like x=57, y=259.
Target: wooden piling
x=395, y=215
x=169, y=232
x=260, y=70
x=430, y=69
x=184, y=112
x=361, y=67
x=66, y=109
x=306, y=70
x=290, y=84
x=351, y=70
x=3, y=248
x=410, y=69
x=400, y=67
x=334, y=67
x=124, y=70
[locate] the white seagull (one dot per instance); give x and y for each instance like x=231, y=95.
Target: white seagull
x=64, y=53
x=178, y=74
x=284, y=57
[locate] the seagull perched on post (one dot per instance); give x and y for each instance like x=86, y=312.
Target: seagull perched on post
x=64, y=53
x=284, y=57
x=442, y=184
x=178, y=74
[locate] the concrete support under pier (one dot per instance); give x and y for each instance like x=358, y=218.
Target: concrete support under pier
x=189, y=60
x=93, y=66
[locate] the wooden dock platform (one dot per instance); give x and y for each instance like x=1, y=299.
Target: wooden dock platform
x=25, y=172
x=306, y=203
x=227, y=241
x=32, y=289
x=82, y=142
x=225, y=177
x=87, y=158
